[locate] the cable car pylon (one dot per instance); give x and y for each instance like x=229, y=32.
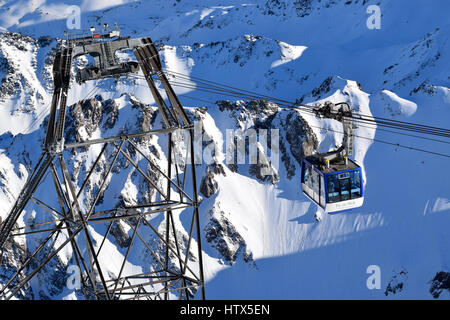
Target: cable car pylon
x=74, y=218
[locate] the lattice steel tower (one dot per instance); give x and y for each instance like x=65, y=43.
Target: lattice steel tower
x=78, y=225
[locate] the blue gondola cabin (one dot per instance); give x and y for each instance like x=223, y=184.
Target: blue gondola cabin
x=335, y=187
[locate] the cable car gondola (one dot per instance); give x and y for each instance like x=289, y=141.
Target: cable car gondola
x=332, y=180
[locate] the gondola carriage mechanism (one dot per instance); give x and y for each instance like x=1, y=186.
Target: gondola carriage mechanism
x=332, y=180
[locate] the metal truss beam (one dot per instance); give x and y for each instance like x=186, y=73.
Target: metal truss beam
x=73, y=222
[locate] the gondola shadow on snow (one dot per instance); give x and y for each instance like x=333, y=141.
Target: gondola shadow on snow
x=308, y=217
x=334, y=271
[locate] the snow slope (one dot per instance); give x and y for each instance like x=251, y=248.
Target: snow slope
x=261, y=239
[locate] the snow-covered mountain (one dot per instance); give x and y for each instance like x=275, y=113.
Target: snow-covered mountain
x=260, y=235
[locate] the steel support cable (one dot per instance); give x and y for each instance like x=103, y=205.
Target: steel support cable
x=218, y=85
x=381, y=141
x=216, y=91
x=362, y=126
x=219, y=90
x=359, y=125
x=387, y=142
x=239, y=94
x=412, y=127
x=208, y=85
x=236, y=94
x=393, y=124
x=360, y=118
x=402, y=123
x=312, y=113
x=404, y=134
x=225, y=88
x=39, y=117
x=415, y=127
x=399, y=127
x=409, y=123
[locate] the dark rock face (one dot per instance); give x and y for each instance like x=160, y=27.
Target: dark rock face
x=208, y=186
x=296, y=138
x=16, y=84
x=88, y=115
x=94, y=113
x=273, y=7
x=14, y=256
x=440, y=282
x=111, y=113
x=120, y=235
x=52, y=279
x=424, y=87
x=397, y=283
x=260, y=111
x=300, y=139
x=257, y=171
x=324, y=88
x=262, y=114
x=223, y=236
x=301, y=8
x=424, y=54
x=13, y=82
x=217, y=168
x=44, y=41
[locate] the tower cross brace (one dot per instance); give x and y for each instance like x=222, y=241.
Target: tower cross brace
x=74, y=224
